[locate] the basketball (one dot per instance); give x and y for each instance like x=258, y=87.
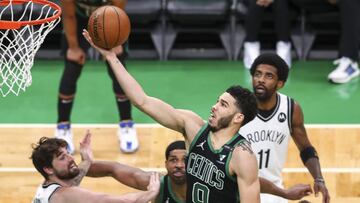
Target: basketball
x=108, y=27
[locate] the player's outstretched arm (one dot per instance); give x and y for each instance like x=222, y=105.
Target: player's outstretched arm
x=151, y=194
x=243, y=163
x=308, y=153
x=80, y=195
x=160, y=111
x=127, y=175
x=295, y=192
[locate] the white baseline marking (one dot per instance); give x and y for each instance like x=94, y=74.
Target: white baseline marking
x=285, y=170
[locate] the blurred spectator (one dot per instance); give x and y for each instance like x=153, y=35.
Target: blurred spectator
x=253, y=22
x=347, y=65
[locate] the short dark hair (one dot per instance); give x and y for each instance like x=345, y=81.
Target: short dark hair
x=245, y=101
x=273, y=60
x=173, y=146
x=44, y=151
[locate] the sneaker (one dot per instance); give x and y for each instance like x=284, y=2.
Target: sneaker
x=251, y=52
x=345, y=71
x=283, y=49
x=128, y=138
x=63, y=131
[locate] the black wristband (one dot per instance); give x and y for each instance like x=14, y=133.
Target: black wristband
x=307, y=153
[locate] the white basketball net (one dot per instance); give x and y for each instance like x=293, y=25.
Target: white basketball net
x=18, y=47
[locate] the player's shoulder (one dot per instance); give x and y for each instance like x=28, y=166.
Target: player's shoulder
x=285, y=97
x=243, y=158
x=65, y=194
x=294, y=105
x=243, y=148
x=289, y=98
x=242, y=153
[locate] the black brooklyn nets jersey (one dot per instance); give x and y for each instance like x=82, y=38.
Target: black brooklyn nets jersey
x=166, y=194
x=207, y=170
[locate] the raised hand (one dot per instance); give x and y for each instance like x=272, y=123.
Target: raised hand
x=102, y=51
x=86, y=158
x=85, y=148
x=154, y=184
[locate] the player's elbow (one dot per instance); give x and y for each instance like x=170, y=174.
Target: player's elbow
x=142, y=180
x=140, y=102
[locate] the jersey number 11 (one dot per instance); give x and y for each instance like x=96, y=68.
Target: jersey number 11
x=264, y=158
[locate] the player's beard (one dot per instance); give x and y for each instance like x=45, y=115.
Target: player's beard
x=223, y=122
x=262, y=96
x=68, y=174
x=178, y=180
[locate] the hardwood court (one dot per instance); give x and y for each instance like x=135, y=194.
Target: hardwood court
x=337, y=147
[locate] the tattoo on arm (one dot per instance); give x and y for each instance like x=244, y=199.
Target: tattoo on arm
x=246, y=146
x=83, y=167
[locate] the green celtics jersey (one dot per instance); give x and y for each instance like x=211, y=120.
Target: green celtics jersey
x=207, y=170
x=166, y=194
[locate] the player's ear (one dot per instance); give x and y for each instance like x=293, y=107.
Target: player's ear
x=280, y=84
x=239, y=118
x=48, y=170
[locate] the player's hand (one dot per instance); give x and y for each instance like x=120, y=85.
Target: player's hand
x=319, y=186
x=86, y=157
x=154, y=183
x=264, y=3
x=102, y=51
x=85, y=148
x=298, y=191
x=76, y=55
x=119, y=50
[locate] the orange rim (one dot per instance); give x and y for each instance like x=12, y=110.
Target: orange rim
x=4, y=24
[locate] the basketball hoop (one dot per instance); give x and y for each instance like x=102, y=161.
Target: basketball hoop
x=24, y=25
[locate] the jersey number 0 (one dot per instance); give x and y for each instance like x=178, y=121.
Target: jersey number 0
x=200, y=193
